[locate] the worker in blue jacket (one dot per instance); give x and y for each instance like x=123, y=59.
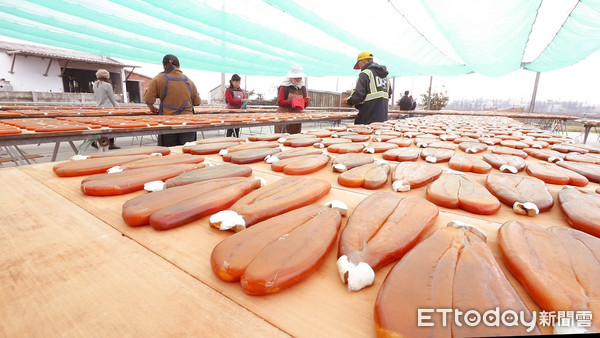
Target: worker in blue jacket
x=372, y=91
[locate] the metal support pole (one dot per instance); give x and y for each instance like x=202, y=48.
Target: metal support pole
x=12, y=66
x=429, y=101
x=123, y=81
x=393, y=91
x=223, y=86
x=535, y=86
x=586, y=132
x=23, y=155
x=130, y=72
x=55, y=152
x=12, y=157
x=48, y=68
x=73, y=147
x=62, y=72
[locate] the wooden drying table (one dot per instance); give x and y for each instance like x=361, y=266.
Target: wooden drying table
x=587, y=126
x=69, y=136
x=71, y=266
x=553, y=123
x=66, y=272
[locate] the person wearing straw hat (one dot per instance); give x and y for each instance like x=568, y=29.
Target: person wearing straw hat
x=177, y=94
x=372, y=91
x=105, y=97
x=292, y=98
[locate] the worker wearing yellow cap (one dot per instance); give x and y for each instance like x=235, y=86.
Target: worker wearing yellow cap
x=372, y=91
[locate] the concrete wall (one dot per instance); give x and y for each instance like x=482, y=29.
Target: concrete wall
x=28, y=81
x=28, y=73
x=217, y=96
x=30, y=96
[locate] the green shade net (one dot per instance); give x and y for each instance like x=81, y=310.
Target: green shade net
x=491, y=43
x=133, y=37
x=421, y=58
x=257, y=37
x=578, y=38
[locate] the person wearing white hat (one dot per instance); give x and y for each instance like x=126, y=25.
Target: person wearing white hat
x=292, y=97
x=105, y=97
x=372, y=91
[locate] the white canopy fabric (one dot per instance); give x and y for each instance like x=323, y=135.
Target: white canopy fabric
x=255, y=37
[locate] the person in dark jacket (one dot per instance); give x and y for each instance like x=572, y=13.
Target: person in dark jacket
x=372, y=91
x=406, y=102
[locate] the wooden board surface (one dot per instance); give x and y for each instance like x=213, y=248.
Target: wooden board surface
x=506, y=213
x=320, y=305
x=63, y=272
x=189, y=247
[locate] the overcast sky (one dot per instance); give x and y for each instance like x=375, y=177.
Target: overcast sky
x=575, y=83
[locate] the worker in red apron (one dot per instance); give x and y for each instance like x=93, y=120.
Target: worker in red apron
x=292, y=98
x=236, y=99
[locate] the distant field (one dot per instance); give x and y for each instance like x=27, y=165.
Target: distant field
x=574, y=127
x=571, y=126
